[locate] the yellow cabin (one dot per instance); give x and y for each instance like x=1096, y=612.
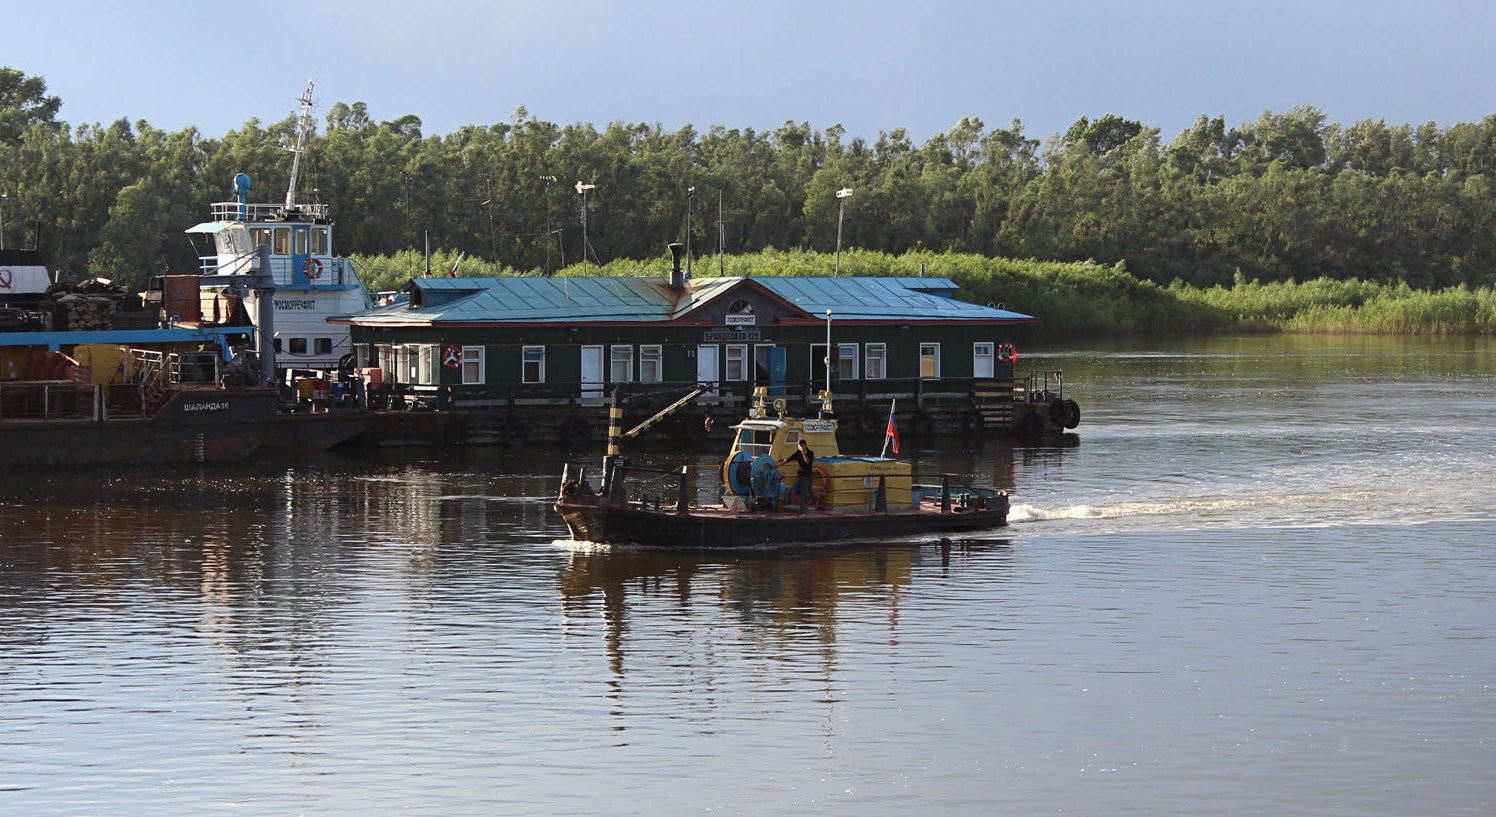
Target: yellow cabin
x=842, y=482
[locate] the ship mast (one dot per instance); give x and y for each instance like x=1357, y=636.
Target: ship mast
x=303, y=129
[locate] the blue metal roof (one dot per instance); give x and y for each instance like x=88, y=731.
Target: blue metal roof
x=605, y=299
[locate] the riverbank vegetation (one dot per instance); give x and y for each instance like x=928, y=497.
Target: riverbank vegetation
x=1289, y=222
x=1071, y=299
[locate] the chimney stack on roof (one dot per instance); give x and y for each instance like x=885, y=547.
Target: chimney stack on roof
x=677, y=275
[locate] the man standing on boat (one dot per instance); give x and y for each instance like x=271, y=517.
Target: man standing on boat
x=803, y=457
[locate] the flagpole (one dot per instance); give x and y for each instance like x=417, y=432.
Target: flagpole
x=885, y=428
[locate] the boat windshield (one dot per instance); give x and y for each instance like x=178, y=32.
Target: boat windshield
x=755, y=441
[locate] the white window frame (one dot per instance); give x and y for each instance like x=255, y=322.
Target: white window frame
x=428, y=367
x=847, y=353
x=819, y=354
x=768, y=358
x=410, y=363
x=737, y=354
x=525, y=361
x=651, y=363
x=624, y=355
x=929, y=351
x=875, y=361
x=472, y=366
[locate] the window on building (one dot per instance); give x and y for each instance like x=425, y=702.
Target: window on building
x=319, y=241
x=302, y=243
x=981, y=359
x=737, y=362
x=532, y=364
x=929, y=360
x=740, y=313
x=277, y=344
x=620, y=364
x=846, y=361
x=297, y=346
x=763, y=364
x=384, y=358
x=651, y=364
x=818, y=364
x=323, y=346
x=282, y=243
x=428, y=368
x=875, y=361
x=259, y=236
x=472, y=365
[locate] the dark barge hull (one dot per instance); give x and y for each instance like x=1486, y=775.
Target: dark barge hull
x=709, y=528
x=192, y=427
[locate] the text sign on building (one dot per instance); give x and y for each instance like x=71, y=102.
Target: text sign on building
x=730, y=335
x=742, y=320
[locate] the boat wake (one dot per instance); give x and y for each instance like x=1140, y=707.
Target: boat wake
x=1329, y=508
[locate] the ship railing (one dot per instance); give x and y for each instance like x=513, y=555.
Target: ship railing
x=652, y=487
x=334, y=271
x=50, y=400
x=262, y=211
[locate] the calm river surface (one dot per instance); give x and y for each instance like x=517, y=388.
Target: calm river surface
x=1264, y=583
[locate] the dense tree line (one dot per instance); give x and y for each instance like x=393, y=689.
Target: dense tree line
x=1287, y=197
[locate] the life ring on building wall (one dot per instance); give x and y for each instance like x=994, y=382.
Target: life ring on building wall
x=452, y=356
x=1007, y=352
x=312, y=268
x=6, y=277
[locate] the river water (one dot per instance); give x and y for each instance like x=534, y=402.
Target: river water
x=1263, y=583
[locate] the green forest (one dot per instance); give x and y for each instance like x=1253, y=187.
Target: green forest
x=1289, y=222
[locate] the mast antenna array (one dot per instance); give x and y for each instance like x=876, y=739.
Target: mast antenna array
x=303, y=130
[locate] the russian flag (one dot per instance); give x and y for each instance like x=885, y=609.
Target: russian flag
x=893, y=430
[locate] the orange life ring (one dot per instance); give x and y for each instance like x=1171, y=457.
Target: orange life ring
x=312, y=268
x=820, y=485
x=452, y=356
x=1007, y=352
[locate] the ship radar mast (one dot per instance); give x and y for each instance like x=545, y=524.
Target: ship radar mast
x=303, y=129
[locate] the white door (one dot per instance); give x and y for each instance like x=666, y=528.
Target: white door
x=981, y=360
x=707, y=369
x=592, y=375
x=706, y=365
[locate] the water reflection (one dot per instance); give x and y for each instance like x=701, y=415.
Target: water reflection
x=786, y=594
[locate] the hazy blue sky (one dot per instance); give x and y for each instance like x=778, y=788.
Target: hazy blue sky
x=870, y=66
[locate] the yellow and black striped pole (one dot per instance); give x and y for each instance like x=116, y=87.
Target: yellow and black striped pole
x=615, y=422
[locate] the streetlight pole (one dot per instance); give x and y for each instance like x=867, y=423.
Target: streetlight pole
x=841, y=210
x=583, y=187
x=690, y=198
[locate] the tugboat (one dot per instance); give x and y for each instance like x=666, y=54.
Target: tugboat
x=851, y=497
x=310, y=282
